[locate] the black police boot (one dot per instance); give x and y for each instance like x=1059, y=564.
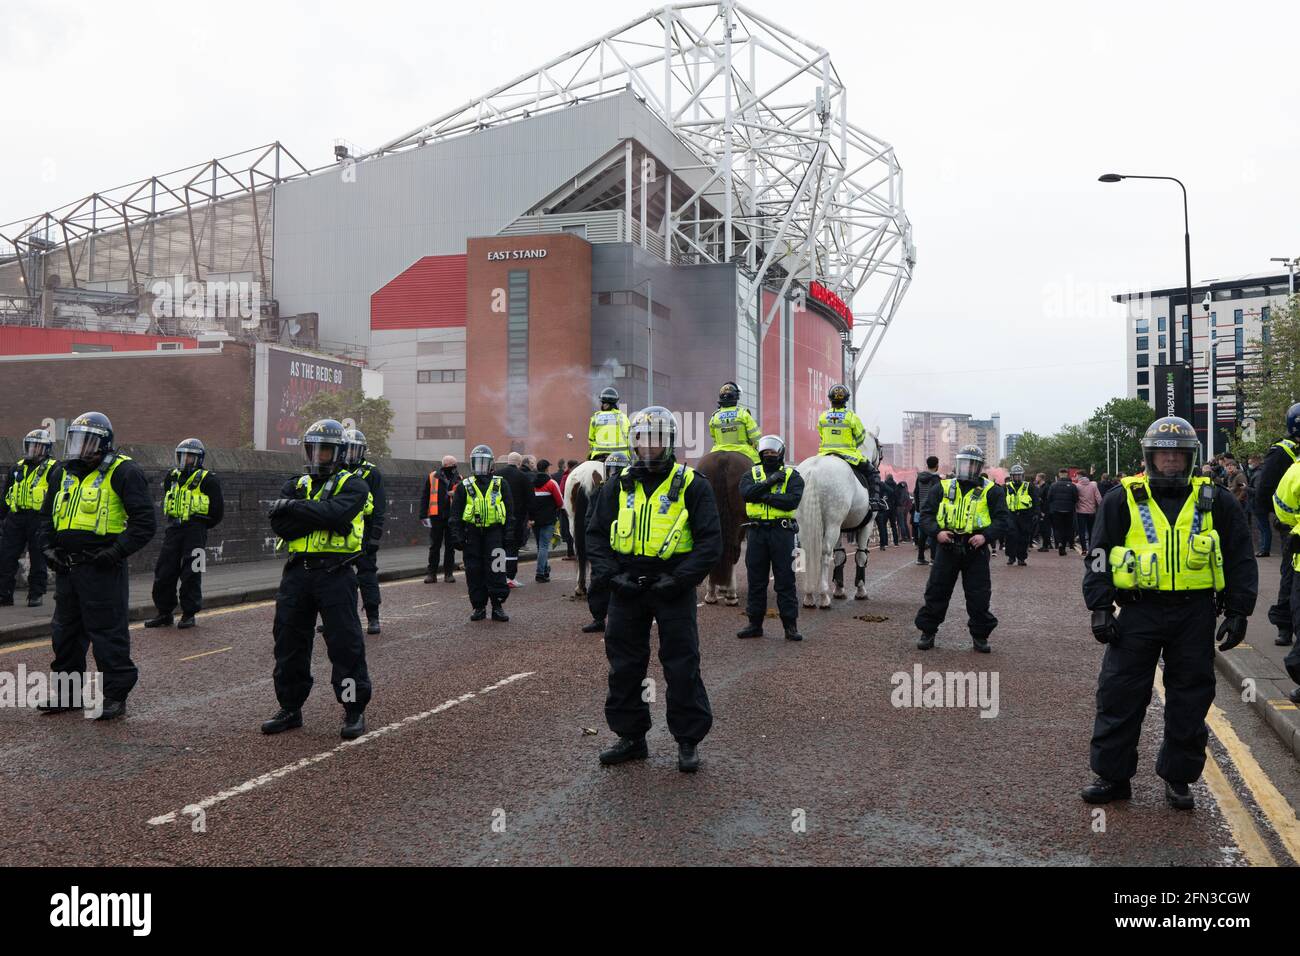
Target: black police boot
x=755, y=629
x=185, y=623
x=282, y=721
x=595, y=627
x=162, y=620
x=1023, y=563
x=113, y=709
x=1294, y=696
x=1283, y=638
x=1010, y=561
x=688, y=759
x=479, y=614
x=431, y=578
x=448, y=579
x=921, y=561
x=34, y=600
x=925, y=642
x=1102, y=790
x=791, y=627
x=372, y=620
x=53, y=707
x=354, y=724
x=499, y=614
x=981, y=645
x=1179, y=796
x=627, y=748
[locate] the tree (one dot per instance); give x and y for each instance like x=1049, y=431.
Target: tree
x=1083, y=446
x=1270, y=393
x=374, y=416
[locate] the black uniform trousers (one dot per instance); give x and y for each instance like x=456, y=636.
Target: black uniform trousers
x=485, y=565
x=1280, y=614
x=20, y=532
x=973, y=568
x=1022, y=524
x=627, y=645
x=91, y=611
x=177, y=561
x=368, y=579
x=440, y=541
x=598, y=601
x=1292, y=659
x=770, y=546
x=304, y=593
x=1182, y=630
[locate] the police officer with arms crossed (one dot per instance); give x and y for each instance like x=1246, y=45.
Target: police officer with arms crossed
x=1019, y=497
x=1171, y=549
x=1279, y=459
x=98, y=513
x=597, y=591
x=322, y=517
x=482, y=520
x=607, y=431
x=192, y=505
x=963, y=514
x=771, y=491
x=354, y=460
x=664, y=535
x=20, y=511
x=732, y=427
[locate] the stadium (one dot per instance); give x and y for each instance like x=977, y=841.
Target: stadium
x=681, y=201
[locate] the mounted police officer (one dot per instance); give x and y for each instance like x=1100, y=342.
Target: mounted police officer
x=1171, y=549
x=482, y=520
x=354, y=460
x=1021, y=505
x=607, y=431
x=841, y=432
x=732, y=427
x=652, y=538
x=97, y=514
x=1279, y=459
x=192, y=506
x=321, y=515
x=771, y=491
x=597, y=592
x=963, y=514
x=20, y=518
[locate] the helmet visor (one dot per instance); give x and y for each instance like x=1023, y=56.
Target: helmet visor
x=83, y=445
x=614, y=465
x=187, y=459
x=1170, y=467
x=354, y=452
x=968, y=469
x=321, y=456
x=481, y=464
x=35, y=449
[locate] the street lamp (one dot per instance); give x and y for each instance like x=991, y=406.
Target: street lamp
x=1290, y=272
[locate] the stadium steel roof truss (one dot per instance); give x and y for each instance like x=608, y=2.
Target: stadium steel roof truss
x=789, y=188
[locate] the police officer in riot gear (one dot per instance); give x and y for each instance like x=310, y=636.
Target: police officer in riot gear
x=841, y=432
x=192, y=505
x=1021, y=506
x=732, y=426
x=482, y=520
x=321, y=517
x=963, y=514
x=1171, y=549
x=607, y=431
x=1279, y=459
x=771, y=491
x=653, y=536
x=1286, y=505
x=354, y=459
x=97, y=514
x=25, y=491
x=598, y=594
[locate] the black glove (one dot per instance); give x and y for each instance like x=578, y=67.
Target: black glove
x=1231, y=632
x=1104, y=627
x=107, y=558
x=278, y=505
x=879, y=504
x=667, y=587
x=625, y=584
x=53, y=560
x=458, y=542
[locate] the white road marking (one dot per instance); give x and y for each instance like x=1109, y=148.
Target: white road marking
x=249, y=785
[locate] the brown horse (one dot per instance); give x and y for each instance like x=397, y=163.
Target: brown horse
x=724, y=469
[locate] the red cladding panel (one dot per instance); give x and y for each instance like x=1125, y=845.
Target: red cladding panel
x=18, y=340
x=428, y=295
x=818, y=364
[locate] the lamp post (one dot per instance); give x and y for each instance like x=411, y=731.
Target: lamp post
x=1290, y=272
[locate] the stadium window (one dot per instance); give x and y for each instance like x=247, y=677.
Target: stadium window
x=437, y=432
x=1144, y=378
x=1143, y=343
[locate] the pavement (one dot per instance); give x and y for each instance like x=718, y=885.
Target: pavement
x=483, y=742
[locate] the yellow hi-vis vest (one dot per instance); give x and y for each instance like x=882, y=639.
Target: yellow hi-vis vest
x=758, y=511
x=733, y=429
x=1286, y=503
x=841, y=432
x=1019, y=497
x=484, y=509
x=90, y=504
x=1288, y=446
x=964, y=513
x=324, y=540
x=27, y=493
x=655, y=525
x=608, y=432
x=183, y=501
x=1155, y=557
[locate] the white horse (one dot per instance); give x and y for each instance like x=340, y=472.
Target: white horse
x=580, y=490
x=834, y=503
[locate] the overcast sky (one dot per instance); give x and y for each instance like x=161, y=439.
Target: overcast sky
x=1002, y=115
